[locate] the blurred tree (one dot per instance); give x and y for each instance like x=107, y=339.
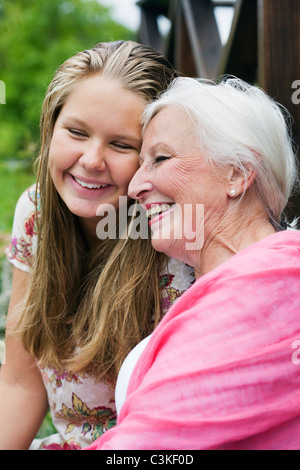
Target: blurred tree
x=35, y=38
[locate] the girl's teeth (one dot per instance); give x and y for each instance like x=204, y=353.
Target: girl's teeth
x=90, y=186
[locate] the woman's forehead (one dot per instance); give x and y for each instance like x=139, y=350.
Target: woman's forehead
x=169, y=128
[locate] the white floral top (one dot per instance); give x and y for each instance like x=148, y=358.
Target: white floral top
x=81, y=409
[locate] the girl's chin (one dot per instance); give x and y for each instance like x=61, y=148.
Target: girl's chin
x=84, y=212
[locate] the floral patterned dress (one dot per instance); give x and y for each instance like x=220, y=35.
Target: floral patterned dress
x=81, y=408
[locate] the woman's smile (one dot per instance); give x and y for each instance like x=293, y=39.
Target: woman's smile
x=156, y=211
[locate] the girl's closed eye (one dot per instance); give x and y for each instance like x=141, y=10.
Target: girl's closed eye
x=122, y=146
x=76, y=133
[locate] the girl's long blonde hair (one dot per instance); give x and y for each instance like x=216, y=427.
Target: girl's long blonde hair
x=86, y=309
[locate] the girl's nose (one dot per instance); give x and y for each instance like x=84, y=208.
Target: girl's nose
x=93, y=158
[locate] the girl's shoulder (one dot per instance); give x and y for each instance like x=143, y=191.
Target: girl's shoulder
x=28, y=201
x=22, y=247
x=175, y=278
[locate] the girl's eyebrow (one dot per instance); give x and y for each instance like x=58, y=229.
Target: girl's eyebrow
x=131, y=138
x=137, y=141
x=73, y=120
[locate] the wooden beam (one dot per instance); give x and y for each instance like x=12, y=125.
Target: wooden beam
x=171, y=42
x=224, y=3
x=149, y=33
x=203, y=34
x=279, y=59
x=160, y=7
x=185, y=61
x=239, y=56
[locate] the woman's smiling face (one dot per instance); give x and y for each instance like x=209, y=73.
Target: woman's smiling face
x=95, y=145
x=176, y=184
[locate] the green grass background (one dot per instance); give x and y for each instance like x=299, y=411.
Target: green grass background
x=16, y=177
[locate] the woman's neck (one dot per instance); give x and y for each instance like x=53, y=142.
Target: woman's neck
x=230, y=238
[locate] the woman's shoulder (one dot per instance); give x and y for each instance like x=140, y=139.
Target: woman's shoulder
x=262, y=267
x=275, y=251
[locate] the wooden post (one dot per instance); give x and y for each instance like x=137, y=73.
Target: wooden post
x=239, y=56
x=279, y=60
x=195, y=43
x=149, y=33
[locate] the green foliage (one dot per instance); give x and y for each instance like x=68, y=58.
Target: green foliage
x=14, y=179
x=36, y=37
x=47, y=428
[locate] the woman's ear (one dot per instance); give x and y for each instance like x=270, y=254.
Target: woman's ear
x=239, y=179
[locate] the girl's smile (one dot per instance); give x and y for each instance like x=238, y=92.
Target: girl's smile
x=92, y=159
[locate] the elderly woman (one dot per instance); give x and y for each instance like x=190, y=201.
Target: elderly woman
x=218, y=372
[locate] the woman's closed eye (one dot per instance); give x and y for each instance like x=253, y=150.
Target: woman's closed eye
x=161, y=158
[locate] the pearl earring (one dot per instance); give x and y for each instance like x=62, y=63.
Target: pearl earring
x=233, y=192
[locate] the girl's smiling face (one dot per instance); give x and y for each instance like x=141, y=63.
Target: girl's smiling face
x=95, y=146
x=175, y=183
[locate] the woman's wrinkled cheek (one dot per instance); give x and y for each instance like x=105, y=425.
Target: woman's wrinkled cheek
x=185, y=177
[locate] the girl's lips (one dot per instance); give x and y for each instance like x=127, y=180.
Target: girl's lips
x=89, y=183
x=88, y=188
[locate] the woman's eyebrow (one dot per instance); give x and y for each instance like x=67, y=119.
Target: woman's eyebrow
x=161, y=147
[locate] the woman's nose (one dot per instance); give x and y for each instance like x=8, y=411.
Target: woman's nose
x=140, y=185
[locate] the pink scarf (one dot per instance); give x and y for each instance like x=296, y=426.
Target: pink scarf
x=222, y=370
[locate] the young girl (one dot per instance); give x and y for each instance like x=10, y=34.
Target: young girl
x=88, y=301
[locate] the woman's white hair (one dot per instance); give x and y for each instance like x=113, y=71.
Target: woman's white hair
x=239, y=124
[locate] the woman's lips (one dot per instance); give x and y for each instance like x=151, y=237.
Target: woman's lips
x=156, y=211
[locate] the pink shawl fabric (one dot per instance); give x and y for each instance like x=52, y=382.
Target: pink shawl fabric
x=218, y=372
